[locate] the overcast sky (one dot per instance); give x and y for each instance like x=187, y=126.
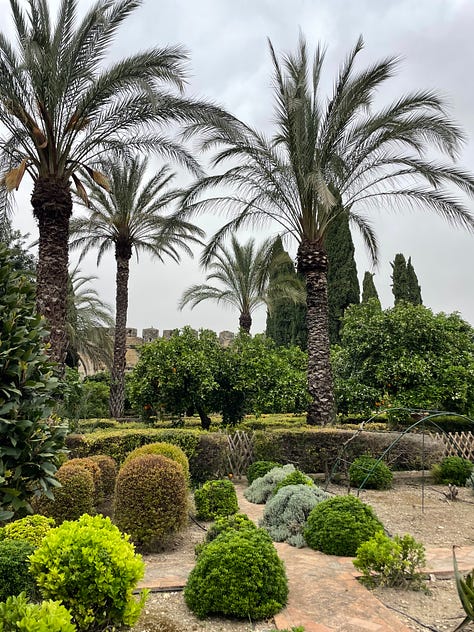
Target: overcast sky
x=230, y=64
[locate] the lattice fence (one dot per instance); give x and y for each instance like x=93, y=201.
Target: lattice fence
x=458, y=444
x=240, y=454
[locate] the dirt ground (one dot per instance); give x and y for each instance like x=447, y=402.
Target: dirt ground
x=424, y=512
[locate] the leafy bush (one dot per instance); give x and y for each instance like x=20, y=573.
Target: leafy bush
x=74, y=498
x=93, y=467
x=223, y=524
x=215, y=498
x=339, y=525
x=239, y=574
x=30, y=440
x=108, y=473
x=370, y=473
x=262, y=488
x=151, y=501
x=31, y=529
x=173, y=452
x=388, y=562
x=17, y=615
x=294, y=478
x=258, y=469
x=92, y=569
x=15, y=576
x=452, y=470
x=286, y=513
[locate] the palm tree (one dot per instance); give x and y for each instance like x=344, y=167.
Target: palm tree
x=326, y=157
x=130, y=218
x=62, y=109
x=88, y=325
x=243, y=273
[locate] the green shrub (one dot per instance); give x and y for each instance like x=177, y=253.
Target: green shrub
x=108, y=473
x=470, y=482
x=15, y=576
x=151, y=501
x=239, y=574
x=31, y=529
x=93, y=467
x=369, y=473
x=387, y=562
x=92, y=569
x=74, y=498
x=339, y=525
x=286, y=513
x=17, y=615
x=173, y=452
x=258, y=469
x=223, y=524
x=262, y=488
x=294, y=478
x=215, y=498
x=452, y=470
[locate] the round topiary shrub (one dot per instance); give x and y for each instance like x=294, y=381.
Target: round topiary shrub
x=215, y=498
x=222, y=524
x=74, y=498
x=17, y=615
x=151, y=500
x=239, y=574
x=262, y=488
x=295, y=478
x=452, y=470
x=15, y=576
x=93, y=467
x=30, y=529
x=286, y=513
x=92, y=569
x=258, y=469
x=173, y=452
x=370, y=473
x=339, y=525
x=108, y=473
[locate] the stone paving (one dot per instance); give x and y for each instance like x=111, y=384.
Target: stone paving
x=324, y=595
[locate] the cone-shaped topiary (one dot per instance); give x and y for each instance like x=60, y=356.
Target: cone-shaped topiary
x=262, y=488
x=216, y=498
x=171, y=451
x=370, y=473
x=239, y=574
x=339, y=525
x=151, y=500
x=286, y=513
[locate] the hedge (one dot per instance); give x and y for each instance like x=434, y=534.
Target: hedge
x=207, y=452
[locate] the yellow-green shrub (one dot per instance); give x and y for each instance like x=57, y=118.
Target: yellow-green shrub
x=31, y=529
x=17, y=615
x=169, y=450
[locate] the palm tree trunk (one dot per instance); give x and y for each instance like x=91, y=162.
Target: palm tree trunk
x=313, y=264
x=117, y=382
x=245, y=321
x=52, y=208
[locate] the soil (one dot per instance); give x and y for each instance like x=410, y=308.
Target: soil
x=427, y=515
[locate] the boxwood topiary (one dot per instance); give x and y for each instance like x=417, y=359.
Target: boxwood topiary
x=262, y=488
x=108, y=473
x=239, y=574
x=258, y=469
x=74, y=498
x=30, y=529
x=151, y=500
x=286, y=513
x=173, y=452
x=93, y=467
x=223, y=524
x=17, y=615
x=294, y=478
x=452, y=470
x=370, y=473
x=92, y=569
x=215, y=498
x=15, y=576
x=339, y=525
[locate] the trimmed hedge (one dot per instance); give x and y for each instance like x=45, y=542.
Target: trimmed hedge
x=207, y=452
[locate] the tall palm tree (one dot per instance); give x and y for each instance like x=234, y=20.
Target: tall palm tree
x=131, y=218
x=243, y=273
x=62, y=109
x=88, y=325
x=328, y=156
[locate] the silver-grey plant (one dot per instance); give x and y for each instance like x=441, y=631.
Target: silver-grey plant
x=262, y=488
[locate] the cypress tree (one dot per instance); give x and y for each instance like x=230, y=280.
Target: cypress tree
x=414, y=289
x=343, y=284
x=368, y=288
x=405, y=286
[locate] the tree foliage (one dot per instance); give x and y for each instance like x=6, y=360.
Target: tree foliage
x=368, y=288
x=405, y=285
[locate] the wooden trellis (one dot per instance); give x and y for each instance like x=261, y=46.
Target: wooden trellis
x=240, y=454
x=458, y=444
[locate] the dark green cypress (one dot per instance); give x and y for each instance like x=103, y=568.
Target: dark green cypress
x=368, y=288
x=405, y=286
x=414, y=289
x=343, y=284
